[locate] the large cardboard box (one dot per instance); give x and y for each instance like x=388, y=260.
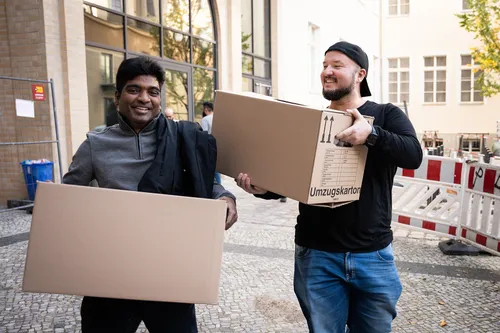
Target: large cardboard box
x=124, y=244
x=287, y=148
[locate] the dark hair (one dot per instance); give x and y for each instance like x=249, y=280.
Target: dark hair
x=131, y=68
x=208, y=105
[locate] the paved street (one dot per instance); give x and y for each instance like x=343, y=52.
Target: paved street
x=256, y=292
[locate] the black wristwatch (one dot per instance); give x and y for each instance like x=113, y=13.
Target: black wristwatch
x=371, y=140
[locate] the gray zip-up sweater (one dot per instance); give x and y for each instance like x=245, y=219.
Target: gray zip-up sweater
x=117, y=158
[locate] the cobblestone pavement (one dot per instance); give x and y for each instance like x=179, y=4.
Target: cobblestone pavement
x=256, y=292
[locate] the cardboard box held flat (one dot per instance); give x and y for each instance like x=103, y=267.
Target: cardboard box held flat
x=287, y=148
x=123, y=244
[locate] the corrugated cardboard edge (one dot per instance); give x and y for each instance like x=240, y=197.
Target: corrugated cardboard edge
x=40, y=189
x=216, y=268
x=332, y=205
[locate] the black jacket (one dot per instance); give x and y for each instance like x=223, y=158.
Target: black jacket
x=184, y=163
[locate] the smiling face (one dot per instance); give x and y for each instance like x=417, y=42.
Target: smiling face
x=139, y=101
x=340, y=76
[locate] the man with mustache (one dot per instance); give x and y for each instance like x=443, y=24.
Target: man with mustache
x=146, y=152
x=345, y=275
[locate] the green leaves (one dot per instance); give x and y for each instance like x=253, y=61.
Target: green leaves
x=483, y=20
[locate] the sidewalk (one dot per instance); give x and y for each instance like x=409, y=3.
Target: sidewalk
x=256, y=292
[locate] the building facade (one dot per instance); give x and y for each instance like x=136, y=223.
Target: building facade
x=273, y=47
x=427, y=64
x=419, y=56
x=307, y=29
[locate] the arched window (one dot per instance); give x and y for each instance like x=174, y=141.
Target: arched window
x=180, y=34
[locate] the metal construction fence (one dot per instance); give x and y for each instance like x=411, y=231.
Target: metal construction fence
x=28, y=131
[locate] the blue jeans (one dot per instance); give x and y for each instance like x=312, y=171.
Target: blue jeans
x=357, y=290
x=217, y=177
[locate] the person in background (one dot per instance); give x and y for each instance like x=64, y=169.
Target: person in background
x=208, y=116
x=206, y=124
x=169, y=113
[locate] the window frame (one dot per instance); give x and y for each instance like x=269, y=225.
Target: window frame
x=163, y=30
x=259, y=81
x=129, y=54
x=107, y=67
x=435, y=69
x=464, y=7
x=398, y=70
x=399, y=4
x=470, y=67
x=470, y=145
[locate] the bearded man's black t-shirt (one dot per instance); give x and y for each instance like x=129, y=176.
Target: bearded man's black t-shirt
x=364, y=225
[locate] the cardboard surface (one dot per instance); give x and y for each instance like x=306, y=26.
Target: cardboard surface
x=287, y=148
x=124, y=244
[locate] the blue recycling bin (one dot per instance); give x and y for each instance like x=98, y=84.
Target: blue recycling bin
x=36, y=171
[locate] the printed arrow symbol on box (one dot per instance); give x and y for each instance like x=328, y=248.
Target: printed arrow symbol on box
x=330, y=133
x=324, y=130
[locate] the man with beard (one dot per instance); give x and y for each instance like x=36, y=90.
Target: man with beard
x=345, y=275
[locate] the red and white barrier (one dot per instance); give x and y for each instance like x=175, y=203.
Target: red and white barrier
x=429, y=197
x=427, y=225
x=436, y=168
x=448, y=197
x=484, y=178
x=480, y=220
